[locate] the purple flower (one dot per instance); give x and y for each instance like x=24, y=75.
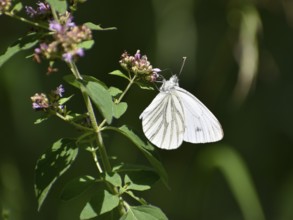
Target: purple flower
x=137, y=55
x=80, y=52
x=69, y=22
x=55, y=26
x=67, y=57
x=30, y=11
x=59, y=90
x=43, y=8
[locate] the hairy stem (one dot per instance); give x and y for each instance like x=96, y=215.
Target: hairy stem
x=89, y=106
x=26, y=20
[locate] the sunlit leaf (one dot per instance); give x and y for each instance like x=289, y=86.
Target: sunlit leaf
x=101, y=98
x=53, y=164
x=24, y=43
x=17, y=7
x=144, y=212
x=97, y=91
x=64, y=100
x=118, y=73
x=86, y=44
x=100, y=203
x=97, y=27
x=119, y=109
x=114, y=179
x=114, y=91
x=77, y=186
x=145, y=86
x=58, y=5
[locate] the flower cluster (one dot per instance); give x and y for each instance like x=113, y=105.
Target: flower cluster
x=42, y=102
x=43, y=11
x=67, y=39
x=139, y=65
x=4, y=6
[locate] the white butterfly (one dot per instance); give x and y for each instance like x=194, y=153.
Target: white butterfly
x=175, y=115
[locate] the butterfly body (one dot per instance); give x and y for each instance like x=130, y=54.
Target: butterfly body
x=175, y=115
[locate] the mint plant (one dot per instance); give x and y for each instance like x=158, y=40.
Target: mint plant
x=55, y=37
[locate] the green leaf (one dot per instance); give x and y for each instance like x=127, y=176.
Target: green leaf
x=101, y=98
x=24, y=43
x=97, y=27
x=100, y=203
x=62, y=101
x=53, y=164
x=119, y=73
x=76, y=83
x=140, y=181
x=86, y=44
x=144, y=86
x=114, y=91
x=40, y=120
x=76, y=187
x=17, y=7
x=58, y=5
x=97, y=91
x=114, y=179
x=119, y=109
x=144, y=212
x=144, y=149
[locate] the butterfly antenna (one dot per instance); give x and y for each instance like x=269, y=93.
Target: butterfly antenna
x=182, y=65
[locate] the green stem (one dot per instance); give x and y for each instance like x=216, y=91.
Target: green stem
x=131, y=81
x=26, y=21
x=101, y=148
x=78, y=126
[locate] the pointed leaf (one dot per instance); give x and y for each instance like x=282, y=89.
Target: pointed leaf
x=17, y=7
x=24, y=43
x=53, y=164
x=114, y=91
x=101, y=98
x=145, y=86
x=97, y=91
x=97, y=27
x=76, y=187
x=144, y=149
x=119, y=73
x=114, y=179
x=86, y=44
x=140, y=181
x=119, y=109
x=144, y=212
x=58, y=5
x=100, y=203
x=74, y=82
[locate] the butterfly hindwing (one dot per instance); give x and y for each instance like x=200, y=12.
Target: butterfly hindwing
x=201, y=126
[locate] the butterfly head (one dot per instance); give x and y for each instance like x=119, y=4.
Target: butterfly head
x=168, y=85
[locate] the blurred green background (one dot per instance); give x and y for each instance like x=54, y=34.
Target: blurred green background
x=239, y=63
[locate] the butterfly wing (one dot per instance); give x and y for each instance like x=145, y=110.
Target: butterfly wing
x=163, y=121
x=201, y=126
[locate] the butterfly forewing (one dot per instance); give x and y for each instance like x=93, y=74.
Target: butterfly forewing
x=163, y=121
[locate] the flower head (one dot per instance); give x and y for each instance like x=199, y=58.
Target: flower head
x=139, y=65
x=4, y=6
x=42, y=11
x=66, y=39
x=40, y=101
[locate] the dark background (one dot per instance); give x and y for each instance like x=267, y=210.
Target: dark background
x=222, y=48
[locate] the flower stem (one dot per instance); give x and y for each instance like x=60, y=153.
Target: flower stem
x=131, y=81
x=99, y=139
x=26, y=21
